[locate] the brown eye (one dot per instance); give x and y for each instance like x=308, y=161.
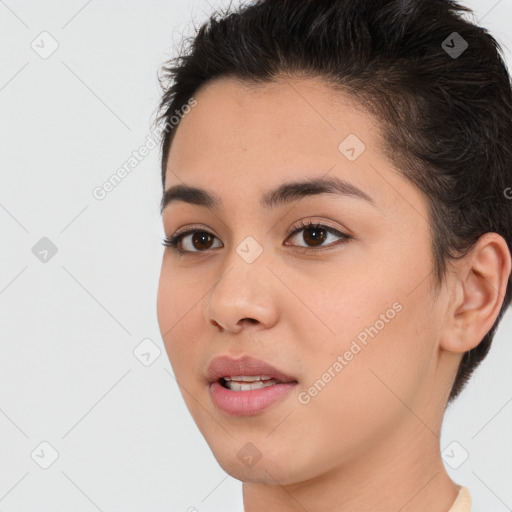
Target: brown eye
x=202, y=240
x=314, y=235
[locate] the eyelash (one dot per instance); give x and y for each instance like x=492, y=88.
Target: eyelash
x=173, y=242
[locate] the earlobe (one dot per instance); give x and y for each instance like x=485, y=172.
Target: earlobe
x=481, y=286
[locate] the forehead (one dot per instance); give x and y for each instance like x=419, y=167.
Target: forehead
x=288, y=114
x=272, y=122
x=243, y=139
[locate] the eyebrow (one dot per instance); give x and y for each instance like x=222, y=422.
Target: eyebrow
x=283, y=194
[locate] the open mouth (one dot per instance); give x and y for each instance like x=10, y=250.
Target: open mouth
x=247, y=383
x=246, y=395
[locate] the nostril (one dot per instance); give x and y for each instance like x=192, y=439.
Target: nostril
x=216, y=324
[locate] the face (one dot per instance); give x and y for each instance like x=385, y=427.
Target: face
x=343, y=307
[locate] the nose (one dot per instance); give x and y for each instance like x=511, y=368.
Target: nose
x=241, y=298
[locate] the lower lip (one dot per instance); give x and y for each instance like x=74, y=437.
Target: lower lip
x=245, y=403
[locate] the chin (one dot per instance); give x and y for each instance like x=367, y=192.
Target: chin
x=252, y=462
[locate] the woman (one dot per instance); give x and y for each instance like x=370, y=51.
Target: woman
x=336, y=205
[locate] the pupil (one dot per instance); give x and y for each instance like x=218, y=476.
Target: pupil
x=316, y=238
x=199, y=237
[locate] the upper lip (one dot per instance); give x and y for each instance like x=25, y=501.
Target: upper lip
x=227, y=366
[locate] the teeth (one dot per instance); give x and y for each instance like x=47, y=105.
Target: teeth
x=235, y=386
x=248, y=378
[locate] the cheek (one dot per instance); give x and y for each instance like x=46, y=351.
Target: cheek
x=383, y=366
x=374, y=334
x=177, y=298
x=178, y=306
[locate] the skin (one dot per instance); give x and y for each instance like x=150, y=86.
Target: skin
x=370, y=439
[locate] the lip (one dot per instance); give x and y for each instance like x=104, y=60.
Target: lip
x=246, y=403
x=227, y=366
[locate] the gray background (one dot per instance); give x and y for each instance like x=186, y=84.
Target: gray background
x=69, y=371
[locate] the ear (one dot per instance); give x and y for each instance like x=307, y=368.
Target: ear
x=478, y=291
